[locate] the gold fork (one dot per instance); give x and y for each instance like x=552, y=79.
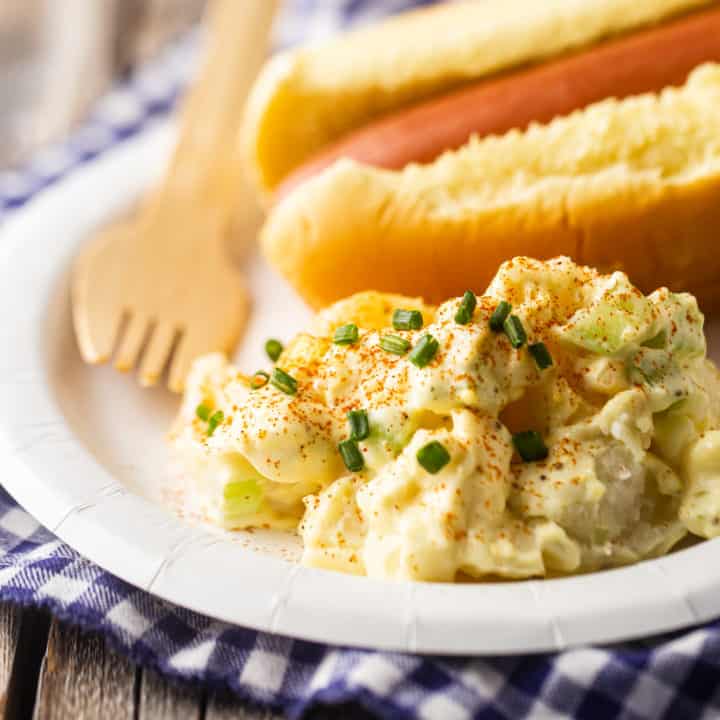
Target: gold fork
x=160, y=289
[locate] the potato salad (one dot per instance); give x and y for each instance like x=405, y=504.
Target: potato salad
x=562, y=422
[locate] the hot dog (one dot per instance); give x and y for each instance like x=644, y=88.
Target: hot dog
x=368, y=150
x=646, y=61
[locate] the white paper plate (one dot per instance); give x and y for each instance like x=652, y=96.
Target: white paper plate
x=83, y=448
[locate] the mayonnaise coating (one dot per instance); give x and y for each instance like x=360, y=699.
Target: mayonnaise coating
x=628, y=413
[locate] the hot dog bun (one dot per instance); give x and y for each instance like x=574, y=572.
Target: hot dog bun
x=637, y=179
x=647, y=60
x=308, y=98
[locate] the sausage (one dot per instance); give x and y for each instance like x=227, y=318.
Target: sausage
x=645, y=61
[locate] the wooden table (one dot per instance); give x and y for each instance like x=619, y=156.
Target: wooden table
x=52, y=671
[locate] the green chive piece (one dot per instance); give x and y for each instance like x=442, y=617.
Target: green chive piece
x=283, y=382
x=433, y=457
x=394, y=344
x=515, y=331
x=467, y=307
x=407, y=320
x=530, y=445
x=497, y=319
x=359, y=424
x=215, y=419
x=259, y=379
x=203, y=412
x=351, y=455
x=273, y=348
x=346, y=334
x=425, y=350
x=541, y=354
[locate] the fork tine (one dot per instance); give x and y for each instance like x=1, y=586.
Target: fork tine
x=159, y=348
x=131, y=343
x=96, y=333
x=182, y=359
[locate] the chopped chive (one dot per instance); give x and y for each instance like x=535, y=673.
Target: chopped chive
x=530, y=445
x=215, y=419
x=273, y=348
x=284, y=382
x=346, y=334
x=424, y=351
x=497, y=319
x=433, y=457
x=541, y=354
x=203, y=412
x=515, y=331
x=359, y=424
x=259, y=379
x=407, y=320
x=351, y=455
x=467, y=307
x=394, y=344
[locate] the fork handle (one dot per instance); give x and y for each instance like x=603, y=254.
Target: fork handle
x=206, y=163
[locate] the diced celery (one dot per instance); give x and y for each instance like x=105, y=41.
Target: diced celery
x=396, y=438
x=394, y=428
x=620, y=316
x=242, y=487
x=242, y=497
x=649, y=366
x=656, y=342
x=687, y=338
x=391, y=427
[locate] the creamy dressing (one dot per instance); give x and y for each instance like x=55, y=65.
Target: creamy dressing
x=627, y=411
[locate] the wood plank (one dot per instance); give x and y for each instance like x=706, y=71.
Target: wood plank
x=23, y=638
x=81, y=678
x=226, y=707
x=162, y=700
x=9, y=634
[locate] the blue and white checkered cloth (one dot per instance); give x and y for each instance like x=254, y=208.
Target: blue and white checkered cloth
x=676, y=676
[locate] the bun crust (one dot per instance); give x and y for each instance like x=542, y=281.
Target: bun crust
x=307, y=98
x=637, y=179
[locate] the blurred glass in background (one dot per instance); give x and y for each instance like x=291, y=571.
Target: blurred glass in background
x=58, y=56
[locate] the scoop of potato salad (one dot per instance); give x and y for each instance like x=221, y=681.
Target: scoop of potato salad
x=560, y=423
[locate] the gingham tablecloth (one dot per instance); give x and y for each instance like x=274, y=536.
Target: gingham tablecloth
x=675, y=676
